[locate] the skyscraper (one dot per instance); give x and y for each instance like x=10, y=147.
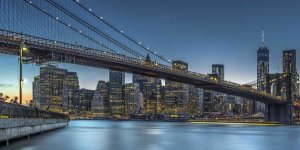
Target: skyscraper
x=132, y=98
x=36, y=93
x=70, y=100
x=116, y=100
x=289, y=61
x=262, y=71
x=48, y=88
x=177, y=94
x=262, y=67
x=100, y=102
x=150, y=88
x=289, y=66
x=218, y=69
x=85, y=101
x=194, y=100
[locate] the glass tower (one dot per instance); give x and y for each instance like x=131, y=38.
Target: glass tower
x=262, y=67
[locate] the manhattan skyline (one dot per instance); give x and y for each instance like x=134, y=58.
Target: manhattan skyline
x=228, y=34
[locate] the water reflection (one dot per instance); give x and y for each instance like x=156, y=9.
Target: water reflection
x=132, y=135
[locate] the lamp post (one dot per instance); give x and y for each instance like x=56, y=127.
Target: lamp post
x=23, y=47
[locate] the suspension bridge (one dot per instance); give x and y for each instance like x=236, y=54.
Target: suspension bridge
x=69, y=32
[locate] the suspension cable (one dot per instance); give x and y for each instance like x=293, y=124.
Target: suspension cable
x=119, y=31
x=65, y=11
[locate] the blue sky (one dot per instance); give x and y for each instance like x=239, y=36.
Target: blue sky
x=200, y=32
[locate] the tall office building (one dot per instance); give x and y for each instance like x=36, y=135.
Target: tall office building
x=36, y=93
x=208, y=102
x=289, y=61
x=132, y=98
x=177, y=94
x=100, y=102
x=85, y=101
x=218, y=69
x=151, y=91
x=262, y=67
x=116, y=101
x=262, y=71
x=194, y=100
x=289, y=66
x=48, y=87
x=70, y=100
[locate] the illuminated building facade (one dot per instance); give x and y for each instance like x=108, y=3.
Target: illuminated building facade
x=116, y=101
x=262, y=71
x=289, y=66
x=194, y=100
x=48, y=88
x=151, y=91
x=177, y=94
x=70, y=100
x=218, y=69
x=262, y=67
x=85, y=101
x=132, y=98
x=100, y=102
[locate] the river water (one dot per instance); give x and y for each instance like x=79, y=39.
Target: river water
x=139, y=135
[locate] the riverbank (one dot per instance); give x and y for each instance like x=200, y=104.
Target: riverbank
x=203, y=121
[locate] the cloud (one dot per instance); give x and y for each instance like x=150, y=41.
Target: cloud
x=5, y=85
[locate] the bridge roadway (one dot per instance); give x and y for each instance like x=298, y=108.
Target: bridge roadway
x=44, y=50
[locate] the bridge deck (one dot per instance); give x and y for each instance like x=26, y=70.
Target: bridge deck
x=43, y=50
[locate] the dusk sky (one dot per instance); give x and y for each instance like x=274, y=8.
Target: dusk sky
x=198, y=32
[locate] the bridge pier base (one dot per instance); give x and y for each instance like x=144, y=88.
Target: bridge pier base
x=279, y=113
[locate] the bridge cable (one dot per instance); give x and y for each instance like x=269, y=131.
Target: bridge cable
x=122, y=33
x=70, y=14
x=65, y=24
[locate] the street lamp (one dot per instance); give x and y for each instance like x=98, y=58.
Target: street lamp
x=24, y=48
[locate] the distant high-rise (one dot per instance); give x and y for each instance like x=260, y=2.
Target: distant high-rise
x=262, y=64
x=70, y=100
x=36, y=93
x=289, y=61
x=262, y=67
x=262, y=71
x=48, y=88
x=100, y=102
x=132, y=98
x=150, y=89
x=85, y=99
x=177, y=94
x=218, y=69
x=194, y=100
x=116, y=100
x=289, y=66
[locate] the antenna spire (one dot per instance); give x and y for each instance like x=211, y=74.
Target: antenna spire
x=263, y=37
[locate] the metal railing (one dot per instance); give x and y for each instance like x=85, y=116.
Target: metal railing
x=10, y=110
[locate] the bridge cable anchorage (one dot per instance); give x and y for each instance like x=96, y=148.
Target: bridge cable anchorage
x=121, y=32
x=67, y=25
x=94, y=29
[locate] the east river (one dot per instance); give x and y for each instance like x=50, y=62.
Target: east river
x=140, y=135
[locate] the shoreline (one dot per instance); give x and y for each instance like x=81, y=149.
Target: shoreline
x=217, y=122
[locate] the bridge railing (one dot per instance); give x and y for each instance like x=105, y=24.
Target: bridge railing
x=99, y=54
x=10, y=110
